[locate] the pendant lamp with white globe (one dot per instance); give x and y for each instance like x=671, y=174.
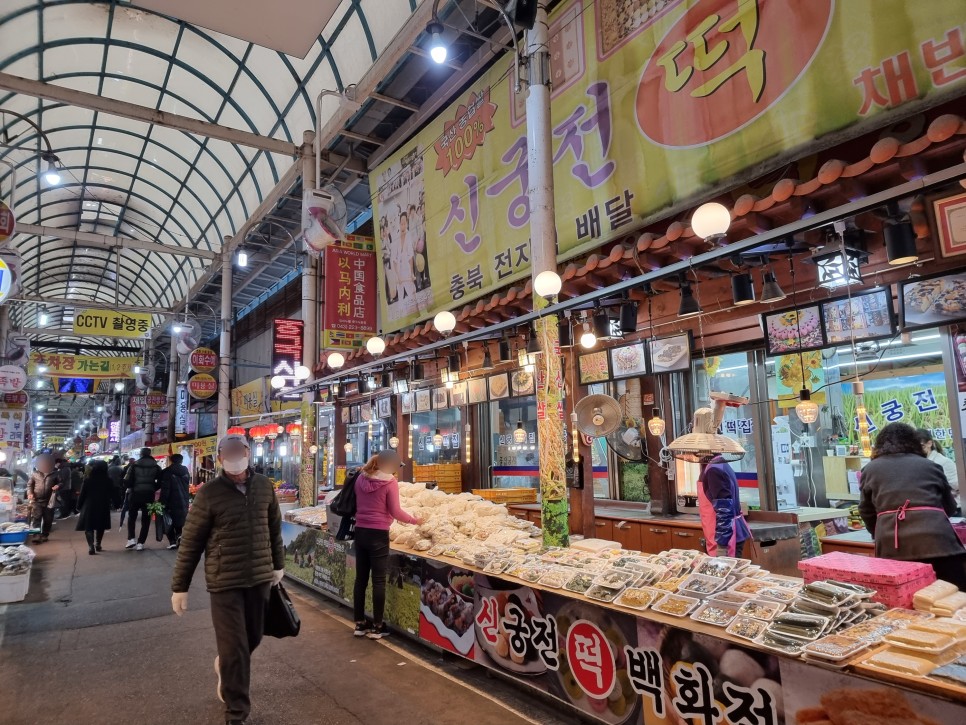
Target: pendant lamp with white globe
x=444, y=322
x=335, y=360
x=547, y=284
x=711, y=221
x=376, y=345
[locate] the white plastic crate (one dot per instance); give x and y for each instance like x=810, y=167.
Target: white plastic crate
x=14, y=588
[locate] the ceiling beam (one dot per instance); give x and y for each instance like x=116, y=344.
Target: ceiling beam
x=124, y=109
x=102, y=241
x=88, y=304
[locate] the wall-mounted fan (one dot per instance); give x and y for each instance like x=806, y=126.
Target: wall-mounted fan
x=626, y=440
x=323, y=218
x=18, y=349
x=597, y=415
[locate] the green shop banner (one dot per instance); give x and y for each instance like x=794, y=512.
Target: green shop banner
x=653, y=103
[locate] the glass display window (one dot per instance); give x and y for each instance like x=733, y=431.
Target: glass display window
x=367, y=439
x=436, y=436
x=513, y=443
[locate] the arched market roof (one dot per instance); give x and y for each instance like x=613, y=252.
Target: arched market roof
x=128, y=178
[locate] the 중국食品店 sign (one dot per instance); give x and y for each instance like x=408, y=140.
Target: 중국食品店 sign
x=650, y=109
x=112, y=323
x=350, y=294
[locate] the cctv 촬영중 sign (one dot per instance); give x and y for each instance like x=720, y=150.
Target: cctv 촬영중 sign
x=112, y=323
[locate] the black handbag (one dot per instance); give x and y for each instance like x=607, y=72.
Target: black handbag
x=281, y=619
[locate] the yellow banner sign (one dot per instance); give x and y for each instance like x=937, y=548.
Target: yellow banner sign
x=199, y=447
x=82, y=366
x=249, y=399
x=651, y=108
x=53, y=440
x=111, y=323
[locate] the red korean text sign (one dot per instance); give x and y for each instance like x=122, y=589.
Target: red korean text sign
x=287, y=338
x=350, y=294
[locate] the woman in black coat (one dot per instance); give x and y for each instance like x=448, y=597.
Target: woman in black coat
x=906, y=502
x=95, y=506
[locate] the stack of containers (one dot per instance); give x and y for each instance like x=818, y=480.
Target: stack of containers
x=895, y=582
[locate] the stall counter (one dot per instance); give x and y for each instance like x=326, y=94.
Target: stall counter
x=616, y=665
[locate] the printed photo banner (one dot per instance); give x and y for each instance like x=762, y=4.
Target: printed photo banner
x=648, y=109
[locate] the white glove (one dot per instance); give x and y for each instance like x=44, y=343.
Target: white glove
x=277, y=576
x=179, y=602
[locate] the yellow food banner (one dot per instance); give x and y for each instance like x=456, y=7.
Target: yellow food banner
x=651, y=108
x=112, y=323
x=82, y=366
x=249, y=399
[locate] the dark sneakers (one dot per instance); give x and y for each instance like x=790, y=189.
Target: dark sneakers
x=362, y=629
x=378, y=632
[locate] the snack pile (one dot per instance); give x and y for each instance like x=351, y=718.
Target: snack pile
x=15, y=560
x=311, y=516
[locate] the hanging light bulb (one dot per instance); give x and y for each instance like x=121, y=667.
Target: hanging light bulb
x=376, y=346
x=438, y=439
x=394, y=442
x=807, y=409
x=865, y=440
x=437, y=48
x=711, y=221
x=43, y=319
x=347, y=447
x=313, y=449
x=119, y=386
x=587, y=339
x=51, y=175
x=520, y=434
x=335, y=360
x=574, y=437
x=547, y=284
x=466, y=441
x=444, y=322
x=656, y=425
x=242, y=258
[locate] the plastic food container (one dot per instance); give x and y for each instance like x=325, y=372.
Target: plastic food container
x=14, y=538
x=761, y=609
x=14, y=588
x=701, y=585
x=640, y=598
x=834, y=648
x=675, y=605
x=747, y=628
x=715, y=613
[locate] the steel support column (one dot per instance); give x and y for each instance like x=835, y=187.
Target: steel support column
x=224, y=351
x=310, y=338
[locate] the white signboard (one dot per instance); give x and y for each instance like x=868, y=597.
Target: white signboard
x=12, y=378
x=181, y=411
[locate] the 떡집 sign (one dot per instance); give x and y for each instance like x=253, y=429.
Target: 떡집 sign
x=287, y=336
x=112, y=323
x=82, y=366
x=350, y=294
x=650, y=108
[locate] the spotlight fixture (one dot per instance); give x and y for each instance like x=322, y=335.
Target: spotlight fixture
x=454, y=364
x=628, y=320
x=242, y=258
x=565, y=333
x=807, y=409
x=711, y=221
x=656, y=425
x=601, y=324
x=487, y=358
x=547, y=284
x=742, y=289
x=689, y=306
x=335, y=360
x=444, y=322
x=900, y=239
x=504, y=350
x=840, y=261
x=376, y=346
x=533, y=344
x=587, y=338
x=386, y=380
x=437, y=48
x=771, y=291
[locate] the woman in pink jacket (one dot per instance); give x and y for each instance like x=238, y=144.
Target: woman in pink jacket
x=377, y=504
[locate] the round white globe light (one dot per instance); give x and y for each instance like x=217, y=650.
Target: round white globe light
x=375, y=345
x=711, y=220
x=335, y=360
x=547, y=283
x=444, y=322
x=302, y=372
x=278, y=382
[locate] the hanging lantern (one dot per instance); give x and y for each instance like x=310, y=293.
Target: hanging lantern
x=271, y=431
x=466, y=441
x=258, y=433
x=236, y=430
x=656, y=425
x=347, y=447
x=519, y=435
x=394, y=442
x=293, y=429
x=807, y=409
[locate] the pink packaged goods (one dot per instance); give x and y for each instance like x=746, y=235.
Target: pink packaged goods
x=895, y=582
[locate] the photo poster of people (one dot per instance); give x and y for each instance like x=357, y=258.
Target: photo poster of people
x=402, y=237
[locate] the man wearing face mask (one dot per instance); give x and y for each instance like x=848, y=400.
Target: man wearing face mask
x=236, y=522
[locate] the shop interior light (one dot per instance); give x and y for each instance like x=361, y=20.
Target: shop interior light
x=278, y=382
x=504, y=350
x=347, y=447
x=119, y=386
x=742, y=289
x=335, y=389
x=587, y=338
x=43, y=318
x=628, y=320
x=689, y=306
x=52, y=174
x=283, y=450
x=302, y=372
x=487, y=358
x=376, y=345
x=711, y=221
x=41, y=369
x=371, y=382
x=519, y=435
x=547, y=284
x=438, y=439
x=335, y=360
x=601, y=324
x=394, y=442
x=771, y=291
x=840, y=261
x=313, y=449
x=900, y=241
x=437, y=47
x=242, y=258
x=444, y=322
x=656, y=425
x=137, y=369
x=807, y=409
x=100, y=408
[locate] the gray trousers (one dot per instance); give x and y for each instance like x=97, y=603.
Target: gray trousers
x=239, y=619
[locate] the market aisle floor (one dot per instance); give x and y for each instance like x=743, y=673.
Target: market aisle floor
x=96, y=642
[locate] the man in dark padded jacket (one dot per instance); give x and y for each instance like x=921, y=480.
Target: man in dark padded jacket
x=236, y=523
x=143, y=478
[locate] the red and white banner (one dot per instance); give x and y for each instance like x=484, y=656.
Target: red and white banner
x=350, y=294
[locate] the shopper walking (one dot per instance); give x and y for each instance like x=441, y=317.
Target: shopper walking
x=906, y=502
x=115, y=472
x=143, y=480
x=42, y=490
x=175, y=480
x=64, y=504
x=77, y=474
x=236, y=522
x=94, y=504
x=377, y=504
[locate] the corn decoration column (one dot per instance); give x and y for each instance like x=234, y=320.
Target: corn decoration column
x=543, y=247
